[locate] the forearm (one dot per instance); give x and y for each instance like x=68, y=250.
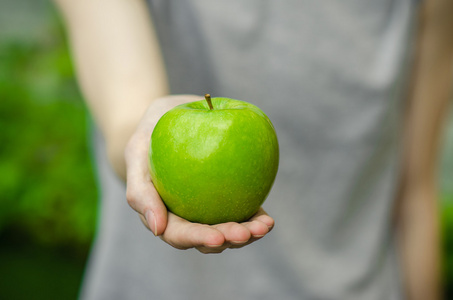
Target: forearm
x=419, y=241
x=118, y=63
x=418, y=215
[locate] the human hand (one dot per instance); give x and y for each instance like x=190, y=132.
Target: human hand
x=178, y=232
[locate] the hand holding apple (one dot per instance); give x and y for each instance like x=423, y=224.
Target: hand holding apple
x=143, y=197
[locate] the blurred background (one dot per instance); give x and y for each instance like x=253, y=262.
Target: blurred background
x=48, y=193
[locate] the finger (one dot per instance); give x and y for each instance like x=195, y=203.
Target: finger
x=141, y=194
x=238, y=235
x=258, y=231
x=212, y=250
x=243, y=234
x=183, y=234
x=259, y=225
x=144, y=199
x=250, y=241
x=234, y=233
x=263, y=217
x=256, y=228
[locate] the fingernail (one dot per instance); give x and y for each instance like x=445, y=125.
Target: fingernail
x=151, y=219
x=238, y=242
x=213, y=246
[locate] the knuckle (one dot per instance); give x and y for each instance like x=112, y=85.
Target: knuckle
x=131, y=197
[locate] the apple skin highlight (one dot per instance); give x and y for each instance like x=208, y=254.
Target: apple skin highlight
x=214, y=165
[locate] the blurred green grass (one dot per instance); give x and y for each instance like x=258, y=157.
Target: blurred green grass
x=48, y=190
x=447, y=230
x=46, y=176
x=48, y=203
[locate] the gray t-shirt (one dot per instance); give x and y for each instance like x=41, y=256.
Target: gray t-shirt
x=331, y=76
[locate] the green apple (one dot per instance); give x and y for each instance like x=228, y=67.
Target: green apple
x=214, y=162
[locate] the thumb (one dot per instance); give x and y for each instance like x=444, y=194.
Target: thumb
x=144, y=199
x=140, y=193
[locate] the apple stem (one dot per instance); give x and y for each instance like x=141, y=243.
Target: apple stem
x=208, y=99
